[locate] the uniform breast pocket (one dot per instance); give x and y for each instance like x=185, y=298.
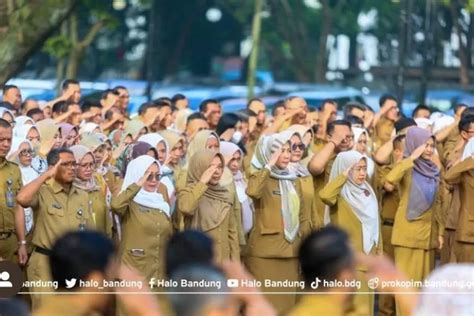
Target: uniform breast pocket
x=136, y=258
x=56, y=209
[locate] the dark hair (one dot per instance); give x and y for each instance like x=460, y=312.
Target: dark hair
x=53, y=156
x=117, y=88
x=204, y=104
x=162, y=99
x=324, y=254
x=245, y=114
x=68, y=82
x=468, y=111
x=354, y=120
x=106, y=93
x=8, y=87
x=34, y=111
x=65, y=108
x=418, y=108
x=385, y=98
x=177, y=97
x=351, y=106
x=78, y=254
x=325, y=101
x=228, y=120
x=161, y=103
x=332, y=125
x=404, y=122
x=7, y=105
x=465, y=122
x=188, y=247
x=59, y=107
x=277, y=105
x=4, y=123
x=87, y=105
x=145, y=106
x=195, y=116
x=398, y=139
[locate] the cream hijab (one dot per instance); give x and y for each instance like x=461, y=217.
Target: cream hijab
x=358, y=132
x=199, y=143
x=365, y=207
x=216, y=202
x=136, y=169
x=300, y=168
x=290, y=202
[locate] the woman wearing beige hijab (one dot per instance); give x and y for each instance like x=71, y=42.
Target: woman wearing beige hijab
x=208, y=205
x=205, y=139
x=50, y=134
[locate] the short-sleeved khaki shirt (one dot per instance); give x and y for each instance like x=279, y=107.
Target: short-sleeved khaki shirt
x=57, y=212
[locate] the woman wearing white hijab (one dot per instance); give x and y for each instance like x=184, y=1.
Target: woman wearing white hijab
x=233, y=156
x=24, y=120
x=354, y=208
x=167, y=174
x=22, y=153
x=146, y=218
x=361, y=141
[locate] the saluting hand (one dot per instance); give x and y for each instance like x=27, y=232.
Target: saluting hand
x=274, y=157
x=418, y=152
x=142, y=180
x=207, y=175
x=51, y=173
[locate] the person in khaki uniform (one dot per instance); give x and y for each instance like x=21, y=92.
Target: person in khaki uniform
x=299, y=141
x=462, y=174
x=95, y=187
x=354, y=208
x=281, y=220
x=339, y=139
x=10, y=184
x=389, y=198
x=326, y=254
x=204, y=139
x=58, y=207
x=419, y=225
x=384, y=121
x=208, y=204
x=144, y=208
x=237, y=181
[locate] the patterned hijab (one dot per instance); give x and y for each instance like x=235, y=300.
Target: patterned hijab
x=290, y=202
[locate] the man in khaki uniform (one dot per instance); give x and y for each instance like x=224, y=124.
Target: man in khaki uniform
x=59, y=207
x=10, y=184
x=384, y=121
x=340, y=138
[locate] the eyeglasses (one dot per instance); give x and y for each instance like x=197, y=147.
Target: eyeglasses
x=26, y=152
x=69, y=164
x=89, y=165
x=299, y=146
x=155, y=176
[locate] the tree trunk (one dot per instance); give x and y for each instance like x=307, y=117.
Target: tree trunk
x=24, y=36
x=464, y=58
x=321, y=57
x=256, y=26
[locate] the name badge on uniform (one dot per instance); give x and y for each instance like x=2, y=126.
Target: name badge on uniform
x=276, y=192
x=144, y=209
x=137, y=252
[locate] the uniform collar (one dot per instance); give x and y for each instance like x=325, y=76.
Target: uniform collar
x=3, y=162
x=56, y=187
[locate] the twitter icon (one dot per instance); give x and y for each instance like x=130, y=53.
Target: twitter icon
x=70, y=283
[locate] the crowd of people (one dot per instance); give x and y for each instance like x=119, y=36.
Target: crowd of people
x=286, y=196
